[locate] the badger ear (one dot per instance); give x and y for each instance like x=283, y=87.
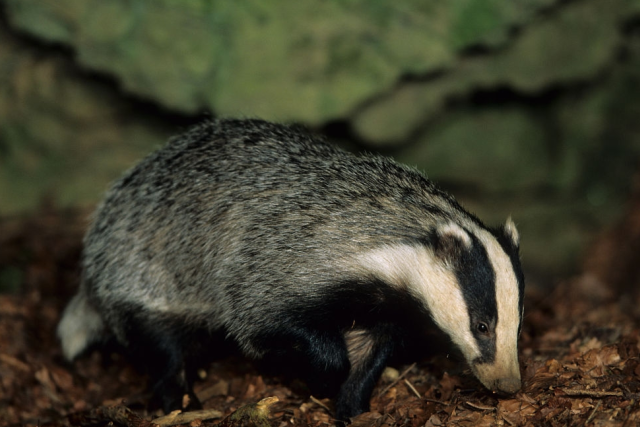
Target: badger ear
x=451, y=241
x=511, y=232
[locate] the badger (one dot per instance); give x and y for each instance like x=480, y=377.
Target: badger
x=294, y=250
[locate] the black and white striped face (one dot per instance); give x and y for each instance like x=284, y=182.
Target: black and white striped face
x=471, y=283
x=491, y=282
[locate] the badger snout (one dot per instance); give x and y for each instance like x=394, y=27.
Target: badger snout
x=498, y=379
x=508, y=385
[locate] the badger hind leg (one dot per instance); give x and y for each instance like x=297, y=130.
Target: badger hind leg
x=158, y=346
x=81, y=325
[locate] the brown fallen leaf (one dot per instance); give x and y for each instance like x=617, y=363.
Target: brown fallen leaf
x=368, y=419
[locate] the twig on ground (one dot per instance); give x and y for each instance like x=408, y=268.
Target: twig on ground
x=593, y=413
x=412, y=388
x=479, y=406
x=440, y=402
x=401, y=376
x=319, y=403
x=178, y=417
x=590, y=393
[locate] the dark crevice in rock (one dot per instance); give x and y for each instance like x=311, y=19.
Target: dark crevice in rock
x=145, y=108
x=631, y=26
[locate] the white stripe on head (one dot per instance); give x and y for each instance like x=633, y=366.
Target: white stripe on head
x=430, y=280
x=453, y=230
x=505, y=364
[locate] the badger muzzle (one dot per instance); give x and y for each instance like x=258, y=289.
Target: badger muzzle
x=498, y=377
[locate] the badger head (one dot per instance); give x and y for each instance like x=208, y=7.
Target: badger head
x=470, y=280
x=484, y=282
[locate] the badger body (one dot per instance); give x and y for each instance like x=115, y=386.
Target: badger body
x=293, y=249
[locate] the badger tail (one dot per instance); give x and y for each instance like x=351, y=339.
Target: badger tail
x=80, y=326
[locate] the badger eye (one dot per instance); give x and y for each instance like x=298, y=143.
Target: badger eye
x=482, y=328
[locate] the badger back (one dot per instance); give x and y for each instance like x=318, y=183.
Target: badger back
x=246, y=202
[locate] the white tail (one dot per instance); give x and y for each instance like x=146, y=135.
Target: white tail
x=80, y=326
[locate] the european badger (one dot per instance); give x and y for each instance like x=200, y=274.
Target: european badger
x=292, y=248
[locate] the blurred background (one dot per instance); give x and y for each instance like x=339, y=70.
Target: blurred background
x=528, y=108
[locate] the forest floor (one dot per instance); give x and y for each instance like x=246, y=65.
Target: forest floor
x=579, y=352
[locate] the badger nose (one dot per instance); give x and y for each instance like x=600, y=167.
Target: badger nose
x=508, y=385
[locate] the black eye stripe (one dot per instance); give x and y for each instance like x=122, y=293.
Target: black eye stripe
x=478, y=284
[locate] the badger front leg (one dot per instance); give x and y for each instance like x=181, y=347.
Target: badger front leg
x=368, y=350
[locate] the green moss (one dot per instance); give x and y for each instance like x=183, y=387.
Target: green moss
x=574, y=45
x=497, y=150
x=282, y=60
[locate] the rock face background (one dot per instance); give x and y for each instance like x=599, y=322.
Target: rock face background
x=526, y=107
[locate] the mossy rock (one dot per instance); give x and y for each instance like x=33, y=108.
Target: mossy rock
x=282, y=60
x=63, y=137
